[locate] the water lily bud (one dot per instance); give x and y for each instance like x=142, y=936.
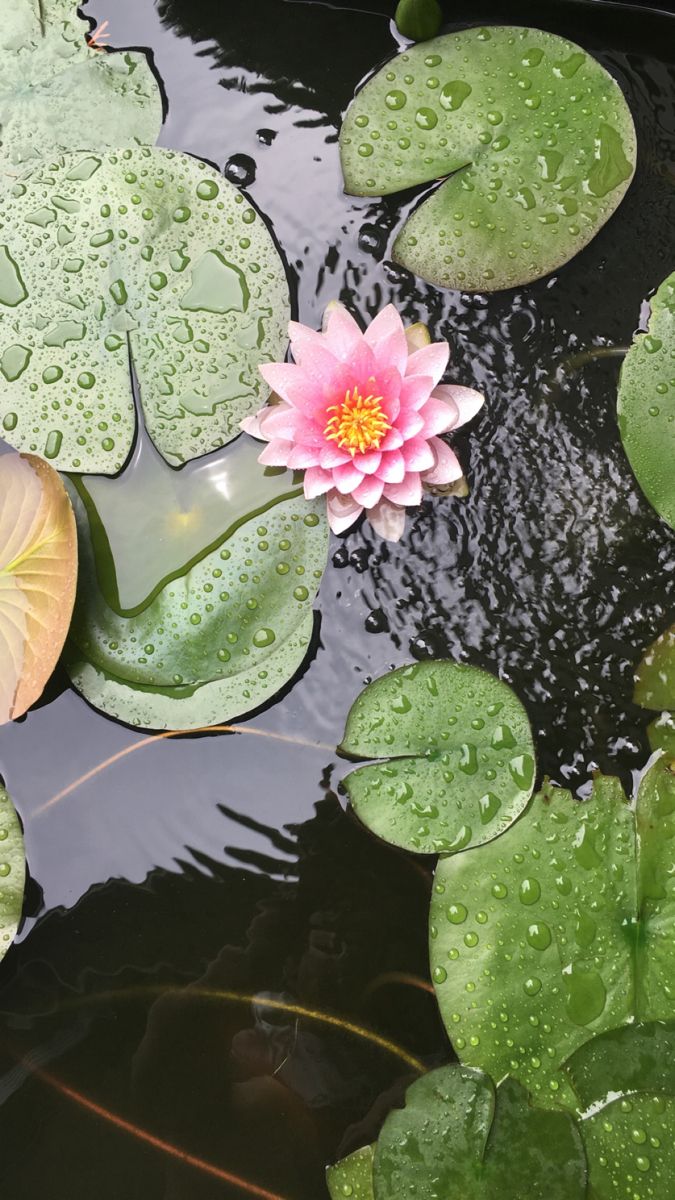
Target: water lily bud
x=419, y=19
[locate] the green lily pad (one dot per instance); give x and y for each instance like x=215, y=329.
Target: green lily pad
x=148, y=254
x=559, y=930
x=216, y=635
x=534, y=137
x=646, y=405
x=661, y=733
x=459, y=757
x=352, y=1178
x=630, y=1149
x=459, y=1136
x=12, y=872
x=655, y=689
x=635, y=1058
x=57, y=93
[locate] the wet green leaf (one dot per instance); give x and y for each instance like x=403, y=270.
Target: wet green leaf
x=646, y=405
x=57, y=93
x=655, y=689
x=12, y=872
x=630, y=1149
x=535, y=137
x=418, y=19
x=634, y=1058
x=459, y=757
x=216, y=635
x=352, y=1178
x=147, y=252
x=559, y=930
x=459, y=1136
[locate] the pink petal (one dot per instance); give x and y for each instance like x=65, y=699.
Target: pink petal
x=317, y=481
x=392, y=467
x=252, y=425
x=388, y=520
x=409, y=423
x=282, y=378
x=446, y=468
x=302, y=457
x=332, y=456
x=439, y=415
x=343, y=511
x=281, y=421
x=417, y=455
x=383, y=326
x=430, y=360
x=392, y=440
x=406, y=493
x=415, y=391
x=347, y=478
x=369, y=492
x=467, y=401
x=386, y=336
x=343, y=336
x=368, y=462
x=276, y=453
x=302, y=336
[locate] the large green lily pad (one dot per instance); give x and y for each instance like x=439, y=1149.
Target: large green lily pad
x=559, y=930
x=459, y=758
x=646, y=405
x=352, y=1178
x=630, y=1149
x=57, y=93
x=12, y=871
x=634, y=1058
x=215, y=635
x=459, y=1136
x=535, y=137
x=146, y=252
x=655, y=689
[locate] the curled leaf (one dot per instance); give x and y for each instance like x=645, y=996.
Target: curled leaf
x=38, y=574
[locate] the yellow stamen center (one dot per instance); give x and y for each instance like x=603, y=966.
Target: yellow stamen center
x=358, y=423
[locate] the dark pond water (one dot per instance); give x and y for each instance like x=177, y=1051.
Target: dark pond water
x=226, y=861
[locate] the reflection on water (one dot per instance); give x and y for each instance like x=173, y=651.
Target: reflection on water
x=166, y=869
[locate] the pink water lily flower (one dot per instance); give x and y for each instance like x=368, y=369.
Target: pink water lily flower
x=360, y=414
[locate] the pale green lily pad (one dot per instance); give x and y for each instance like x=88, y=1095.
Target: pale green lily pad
x=561, y=929
x=12, y=872
x=459, y=757
x=352, y=1178
x=535, y=136
x=149, y=252
x=646, y=406
x=459, y=1136
x=630, y=1149
x=634, y=1058
x=655, y=689
x=216, y=635
x=57, y=93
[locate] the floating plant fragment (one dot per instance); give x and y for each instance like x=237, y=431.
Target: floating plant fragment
x=655, y=689
x=12, y=871
x=38, y=574
x=147, y=252
x=58, y=93
x=460, y=1136
x=647, y=404
x=559, y=930
x=352, y=1177
x=214, y=636
x=532, y=137
x=418, y=20
x=458, y=759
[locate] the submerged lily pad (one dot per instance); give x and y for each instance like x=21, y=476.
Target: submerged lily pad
x=655, y=689
x=561, y=929
x=57, y=93
x=647, y=404
x=352, y=1178
x=12, y=872
x=459, y=757
x=459, y=1136
x=535, y=137
x=216, y=635
x=147, y=253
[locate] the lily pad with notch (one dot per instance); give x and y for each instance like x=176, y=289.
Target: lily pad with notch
x=572, y=911
x=646, y=406
x=655, y=689
x=531, y=138
x=197, y=636
x=59, y=93
x=150, y=255
x=458, y=759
